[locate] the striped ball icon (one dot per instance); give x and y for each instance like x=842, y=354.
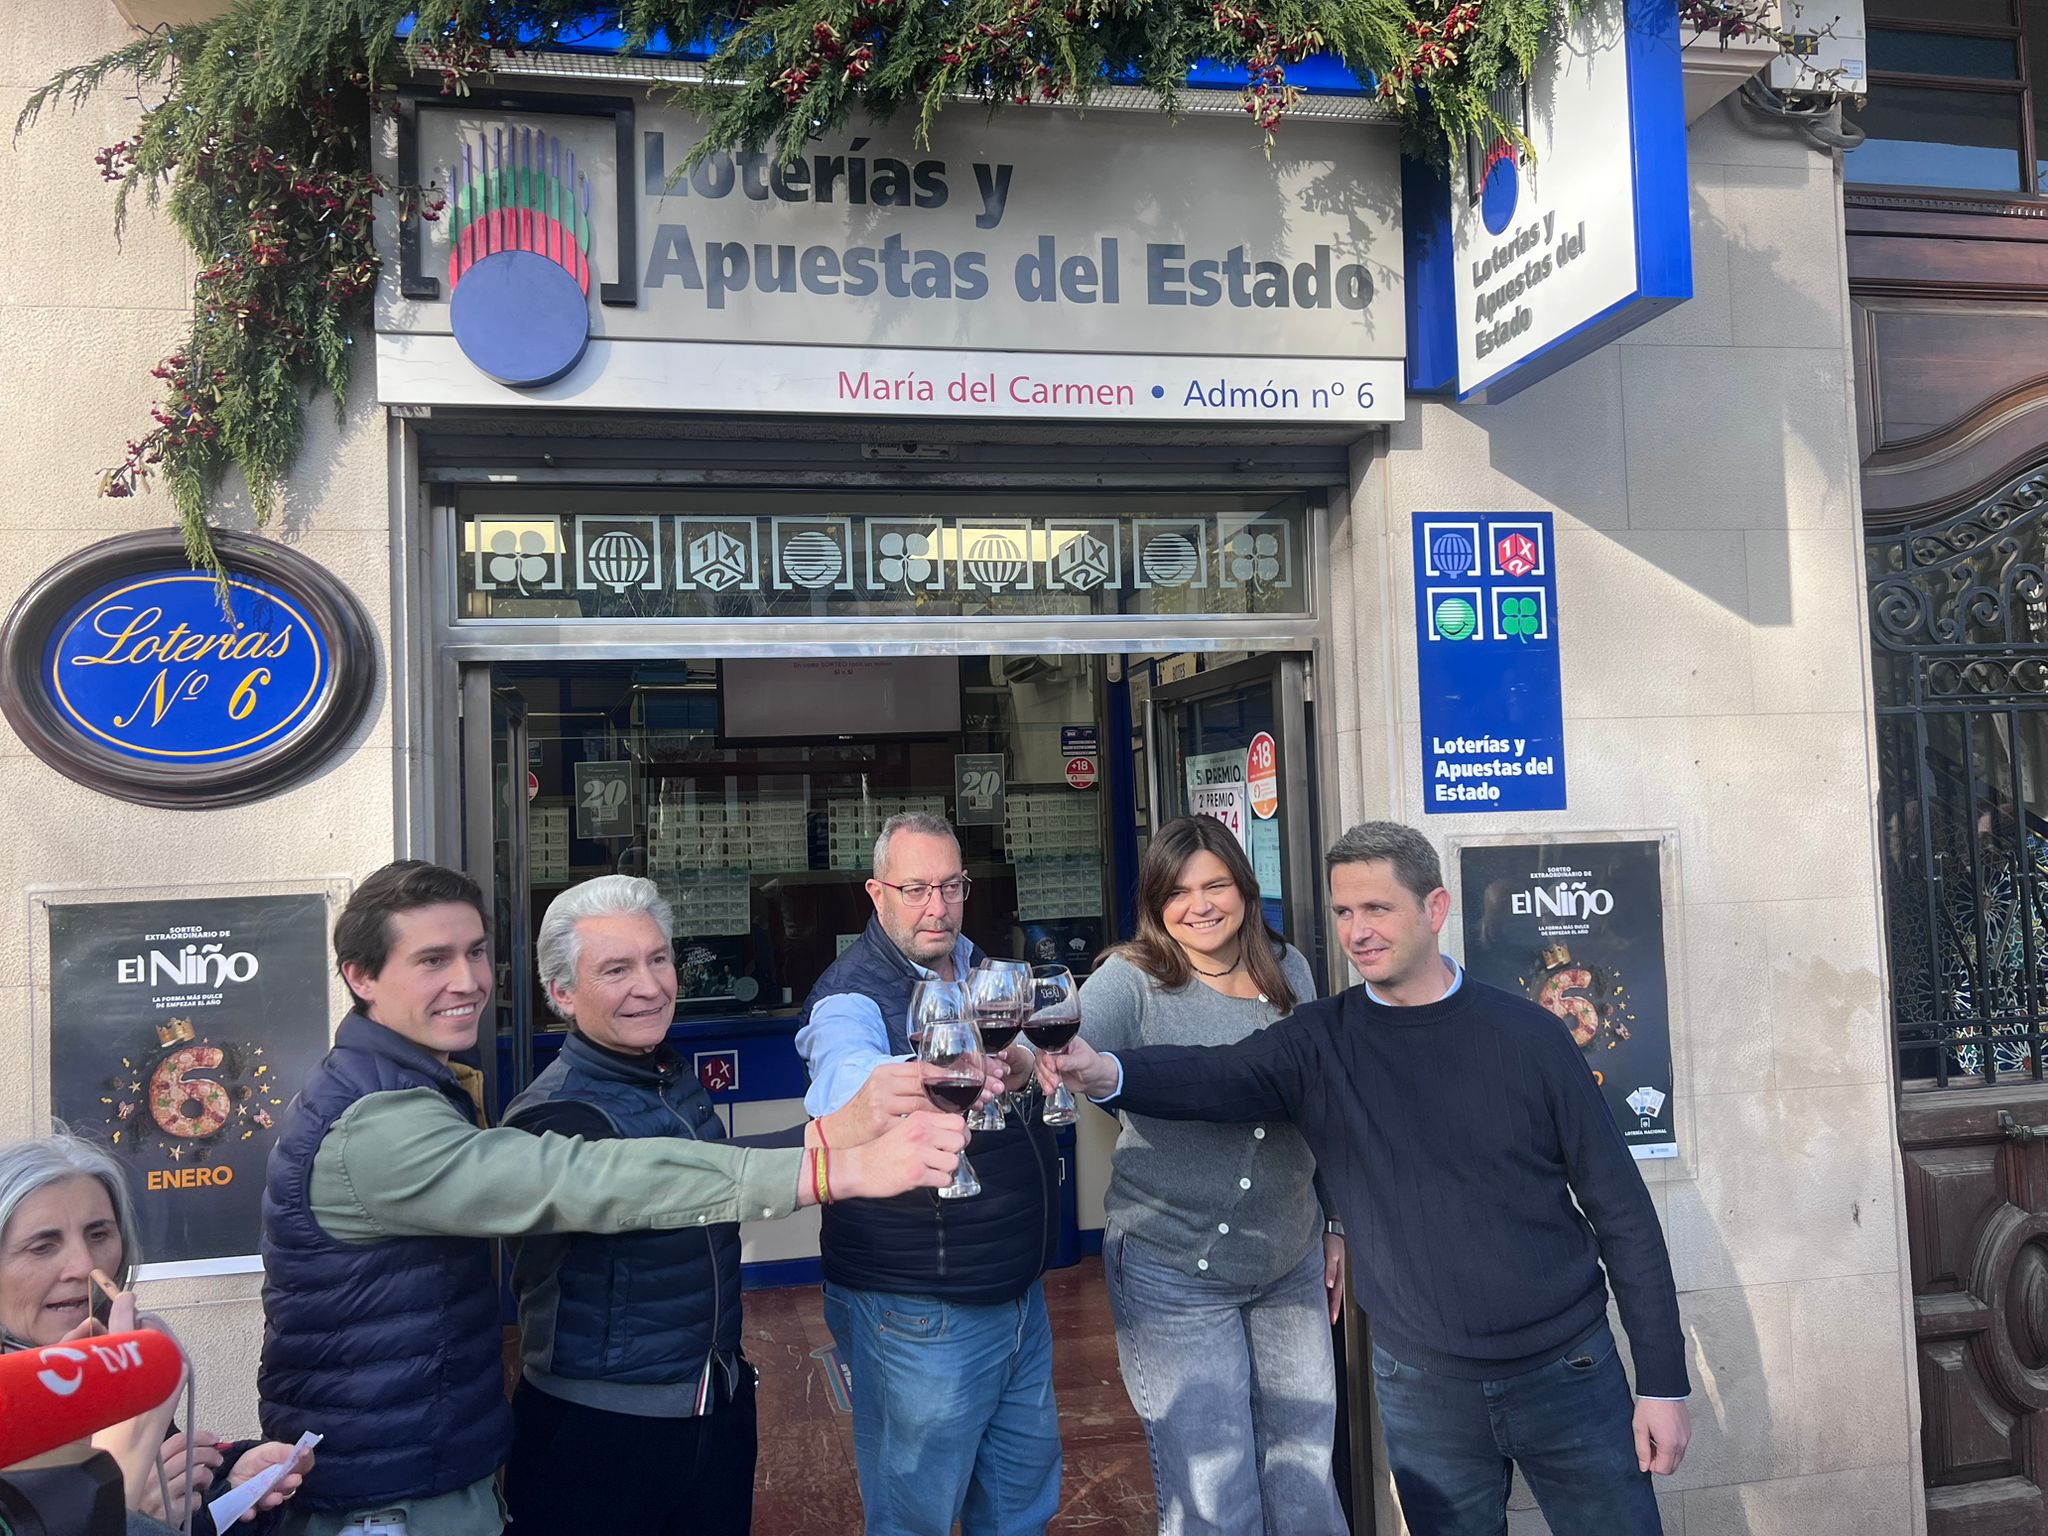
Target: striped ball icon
x=813, y=559
x=1170, y=560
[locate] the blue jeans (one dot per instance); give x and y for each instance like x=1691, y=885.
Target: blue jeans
x=953, y=1415
x=1237, y=1390
x=1453, y=1445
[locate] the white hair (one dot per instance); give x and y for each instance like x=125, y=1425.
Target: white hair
x=40, y=1161
x=559, y=947
x=921, y=822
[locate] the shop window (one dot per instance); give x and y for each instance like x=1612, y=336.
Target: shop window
x=1954, y=100
x=547, y=554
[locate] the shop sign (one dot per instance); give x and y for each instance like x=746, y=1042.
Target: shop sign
x=1224, y=803
x=1081, y=773
x=1184, y=274
x=978, y=794
x=122, y=669
x=1578, y=928
x=604, y=800
x=179, y=1031
x=1518, y=266
x=1487, y=663
x=1262, y=776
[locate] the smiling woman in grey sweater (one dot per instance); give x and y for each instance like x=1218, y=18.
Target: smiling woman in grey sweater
x=1221, y=1280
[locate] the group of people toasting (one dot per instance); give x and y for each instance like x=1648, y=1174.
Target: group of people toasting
x=1446, y=1136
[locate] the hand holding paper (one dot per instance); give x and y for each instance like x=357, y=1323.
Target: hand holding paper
x=277, y=1471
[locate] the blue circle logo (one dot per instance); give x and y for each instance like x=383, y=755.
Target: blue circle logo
x=519, y=258
x=1500, y=187
x=1452, y=553
x=152, y=667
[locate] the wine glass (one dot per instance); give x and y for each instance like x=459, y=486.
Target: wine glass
x=942, y=1025
x=1054, y=1020
x=1000, y=991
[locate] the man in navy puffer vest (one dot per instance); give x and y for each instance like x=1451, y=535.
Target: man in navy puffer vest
x=380, y=1304
x=631, y=1342
x=937, y=1303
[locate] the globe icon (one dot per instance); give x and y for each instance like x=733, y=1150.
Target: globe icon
x=1170, y=560
x=993, y=560
x=1456, y=618
x=1452, y=553
x=812, y=559
x=618, y=560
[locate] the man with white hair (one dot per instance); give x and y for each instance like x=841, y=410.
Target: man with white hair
x=631, y=1341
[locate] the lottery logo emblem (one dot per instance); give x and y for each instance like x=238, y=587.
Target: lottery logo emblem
x=1170, y=560
x=718, y=560
x=618, y=560
x=519, y=263
x=1453, y=617
x=1515, y=554
x=1082, y=563
x=813, y=559
x=1500, y=187
x=1452, y=553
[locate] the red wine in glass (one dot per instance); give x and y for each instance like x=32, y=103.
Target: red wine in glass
x=1052, y=1034
x=954, y=1094
x=999, y=1027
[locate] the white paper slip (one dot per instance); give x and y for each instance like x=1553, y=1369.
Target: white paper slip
x=237, y=1502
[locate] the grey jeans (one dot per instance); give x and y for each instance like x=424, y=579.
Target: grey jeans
x=1237, y=1391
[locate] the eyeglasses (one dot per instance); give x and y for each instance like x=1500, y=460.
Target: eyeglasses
x=918, y=892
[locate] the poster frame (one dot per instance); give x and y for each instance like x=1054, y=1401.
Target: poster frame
x=41, y=898
x=1684, y=1164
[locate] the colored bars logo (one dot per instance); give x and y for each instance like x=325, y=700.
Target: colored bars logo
x=520, y=262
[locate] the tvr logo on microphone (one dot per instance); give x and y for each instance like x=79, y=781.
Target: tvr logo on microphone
x=111, y=1358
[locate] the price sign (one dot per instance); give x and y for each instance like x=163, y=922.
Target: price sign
x=604, y=800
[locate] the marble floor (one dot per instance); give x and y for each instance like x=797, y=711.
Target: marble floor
x=804, y=1485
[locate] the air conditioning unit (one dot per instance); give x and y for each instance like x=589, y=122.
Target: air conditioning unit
x=1824, y=53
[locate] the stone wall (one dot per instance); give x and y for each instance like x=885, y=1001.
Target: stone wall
x=85, y=321
x=1703, y=478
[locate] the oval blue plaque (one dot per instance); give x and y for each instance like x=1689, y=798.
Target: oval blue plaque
x=155, y=669
x=138, y=676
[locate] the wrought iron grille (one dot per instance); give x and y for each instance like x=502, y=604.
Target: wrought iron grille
x=1959, y=632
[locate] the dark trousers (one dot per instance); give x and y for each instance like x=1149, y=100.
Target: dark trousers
x=1453, y=1445
x=634, y=1476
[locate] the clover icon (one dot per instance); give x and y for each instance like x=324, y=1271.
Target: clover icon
x=1519, y=618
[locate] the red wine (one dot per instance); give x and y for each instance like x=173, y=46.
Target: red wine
x=1051, y=1034
x=997, y=1037
x=958, y=1097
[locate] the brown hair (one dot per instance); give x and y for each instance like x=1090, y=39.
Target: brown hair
x=362, y=934
x=1152, y=949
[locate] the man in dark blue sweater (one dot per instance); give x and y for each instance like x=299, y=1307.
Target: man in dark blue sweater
x=1483, y=1188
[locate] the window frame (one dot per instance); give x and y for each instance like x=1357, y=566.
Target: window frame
x=2021, y=84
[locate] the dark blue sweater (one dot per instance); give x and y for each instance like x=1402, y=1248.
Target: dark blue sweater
x=1454, y=1138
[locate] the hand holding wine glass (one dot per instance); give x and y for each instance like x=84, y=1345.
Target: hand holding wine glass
x=1080, y=1067
x=1054, y=1021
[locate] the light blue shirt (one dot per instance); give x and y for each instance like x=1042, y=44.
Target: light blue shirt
x=845, y=1039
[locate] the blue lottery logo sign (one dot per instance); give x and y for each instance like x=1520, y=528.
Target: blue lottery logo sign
x=155, y=669
x=1487, y=664
x=143, y=678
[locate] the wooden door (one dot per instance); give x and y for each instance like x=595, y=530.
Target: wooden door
x=1977, y=1215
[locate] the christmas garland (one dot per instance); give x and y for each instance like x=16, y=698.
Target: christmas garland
x=255, y=135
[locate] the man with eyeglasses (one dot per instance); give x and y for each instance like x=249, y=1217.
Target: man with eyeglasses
x=936, y=1304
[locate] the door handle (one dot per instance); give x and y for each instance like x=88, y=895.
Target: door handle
x=2012, y=1130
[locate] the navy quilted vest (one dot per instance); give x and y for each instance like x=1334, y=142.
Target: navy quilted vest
x=626, y=1323
x=390, y=1350
x=985, y=1250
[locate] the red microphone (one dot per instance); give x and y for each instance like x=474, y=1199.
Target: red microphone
x=63, y=1392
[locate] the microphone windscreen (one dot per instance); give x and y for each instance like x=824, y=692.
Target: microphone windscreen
x=64, y=1392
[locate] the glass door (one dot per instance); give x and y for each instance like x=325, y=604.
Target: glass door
x=1234, y=743
x=497, y=843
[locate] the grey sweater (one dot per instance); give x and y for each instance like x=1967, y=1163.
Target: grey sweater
x=1233, y=1203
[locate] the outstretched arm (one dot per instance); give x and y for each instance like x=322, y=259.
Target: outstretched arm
x=1262, y=1077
